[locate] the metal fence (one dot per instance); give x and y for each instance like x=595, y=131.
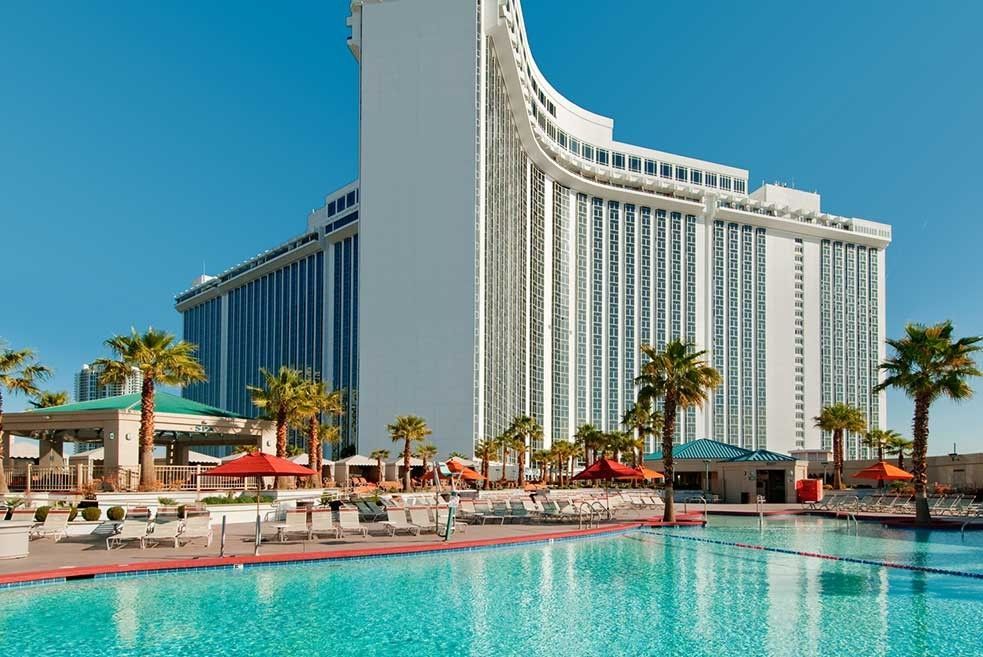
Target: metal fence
x=75, y=478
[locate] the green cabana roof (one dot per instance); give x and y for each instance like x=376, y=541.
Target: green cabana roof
x=163, y=403
x=703, y=449
x=763, y=455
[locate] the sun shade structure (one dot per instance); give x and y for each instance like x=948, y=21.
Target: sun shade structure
x=257, y=464
x=163, y=403
x=882, y=471
x=648, y=473
x=603, y=469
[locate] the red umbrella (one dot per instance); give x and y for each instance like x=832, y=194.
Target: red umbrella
x=603, y=469
x=257, y=464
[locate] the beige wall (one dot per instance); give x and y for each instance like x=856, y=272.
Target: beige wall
x=965, y=472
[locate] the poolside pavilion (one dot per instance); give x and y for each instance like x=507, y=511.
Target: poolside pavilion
x=732, y=474
x=114, y=422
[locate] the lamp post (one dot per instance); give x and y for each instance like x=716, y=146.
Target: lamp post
x=706, y=475
x=954, y=455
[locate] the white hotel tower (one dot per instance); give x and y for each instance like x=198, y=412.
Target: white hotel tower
x=506, y=255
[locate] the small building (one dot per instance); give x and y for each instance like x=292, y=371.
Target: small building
x=732, y=474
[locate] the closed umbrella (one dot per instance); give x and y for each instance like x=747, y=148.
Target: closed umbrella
x=257, y=464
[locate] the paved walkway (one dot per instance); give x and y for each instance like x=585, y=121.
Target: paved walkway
x=46, y=554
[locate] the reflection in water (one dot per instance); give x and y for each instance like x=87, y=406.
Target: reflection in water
x=126, y=617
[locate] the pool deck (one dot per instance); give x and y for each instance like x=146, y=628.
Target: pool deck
x=82, y=557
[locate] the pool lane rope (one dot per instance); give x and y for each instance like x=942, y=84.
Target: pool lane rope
x=820, y=555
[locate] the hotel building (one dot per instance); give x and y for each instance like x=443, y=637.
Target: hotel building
x=501, y=253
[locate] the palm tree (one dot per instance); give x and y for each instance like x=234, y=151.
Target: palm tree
x=19, y=374
x=160, y=358
x=542, y=459
x=899, y=446
x=380, y=455
x=839, y=418
x=425, y=452
x=317, y=400
x=585, y=439
x=409, y=429
x=879, y=439
x=283, y=398
x=504, y=442
x=681, y=377
x=524, y=430
x=563, y=451
x=456, y=455
x=486, y=449
x=928, y=363
x=642, y=421
x=47, y=399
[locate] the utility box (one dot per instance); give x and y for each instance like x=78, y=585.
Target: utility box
x=809, y=490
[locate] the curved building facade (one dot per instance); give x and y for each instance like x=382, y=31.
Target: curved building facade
x=512, y=256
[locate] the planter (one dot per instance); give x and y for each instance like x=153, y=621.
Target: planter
x=239, y=513
x=14, y=539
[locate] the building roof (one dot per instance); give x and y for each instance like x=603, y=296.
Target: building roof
x=703, y=449
x=763, y=455
x=163, y=403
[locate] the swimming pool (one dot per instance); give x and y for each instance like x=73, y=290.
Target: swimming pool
x=637, y=593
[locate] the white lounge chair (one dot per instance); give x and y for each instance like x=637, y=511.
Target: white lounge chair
x=348, y=523
x=194, y=528
x=321, y=523
x=130, y=530
x=459, y=523
x=295, y=522
x=420, y=518
x=160, y=532
x=55, y=525
x=396, y=520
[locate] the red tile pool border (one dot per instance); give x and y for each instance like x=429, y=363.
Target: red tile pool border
x=202, y=563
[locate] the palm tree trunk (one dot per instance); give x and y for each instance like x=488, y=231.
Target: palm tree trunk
x=406, y=467
x=901, y=458
x=281, y=447
x=382, y=476
x=520, y=477
x=505, y=458
x=3, y=475
x=148, y=474
x=668, y=429
x=838, y=459
x=313, y=452
x=918, y=467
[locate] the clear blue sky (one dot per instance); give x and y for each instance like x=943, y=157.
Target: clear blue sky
x=139, y=141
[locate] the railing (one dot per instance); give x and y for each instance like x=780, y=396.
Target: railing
x=190, y=477
x=74, y=478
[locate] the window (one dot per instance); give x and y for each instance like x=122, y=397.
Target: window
x=551, y=108
x=588, y=152
x=350, y=199
x=341, y=203
x=618, y=160
x=711, y=180
x=696, y=177
x=574, y=146
x=562, y=138
x=602, y=156
x=650, y=167
x=331, y=209
x=681, y=173
x=739, y=186
x=665, y=170
x=635, y=164
x=725, y=182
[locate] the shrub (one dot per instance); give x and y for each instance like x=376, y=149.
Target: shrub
x=73, y=512
x=91, y=513
x=244, y=498
x=115, y=513
x=166, y=501
x=41, y=513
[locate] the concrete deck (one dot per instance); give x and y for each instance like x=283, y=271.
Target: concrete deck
x=90, y=551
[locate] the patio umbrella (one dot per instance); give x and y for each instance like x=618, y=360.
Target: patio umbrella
x=257, y=464
x=882, y=471
x=605, y=469
x=648, y=473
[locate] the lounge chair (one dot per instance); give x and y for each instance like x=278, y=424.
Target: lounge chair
x=160, y=532
x=483, y=511
x=348, y=523
x=130, y=530
x=420, y=518
x=396, y=520
x=368, y=511
x=501, y=509
x=459, y=523
x=55, y=525
x=961, y=507
x=295, y=522
x=518, y=510
x=321, y=523
x=194, y=528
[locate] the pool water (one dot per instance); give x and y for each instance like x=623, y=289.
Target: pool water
x=638, y=593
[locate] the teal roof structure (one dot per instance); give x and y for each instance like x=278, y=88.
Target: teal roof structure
x=163, y=403
x=703, y=449
x=763, y=455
